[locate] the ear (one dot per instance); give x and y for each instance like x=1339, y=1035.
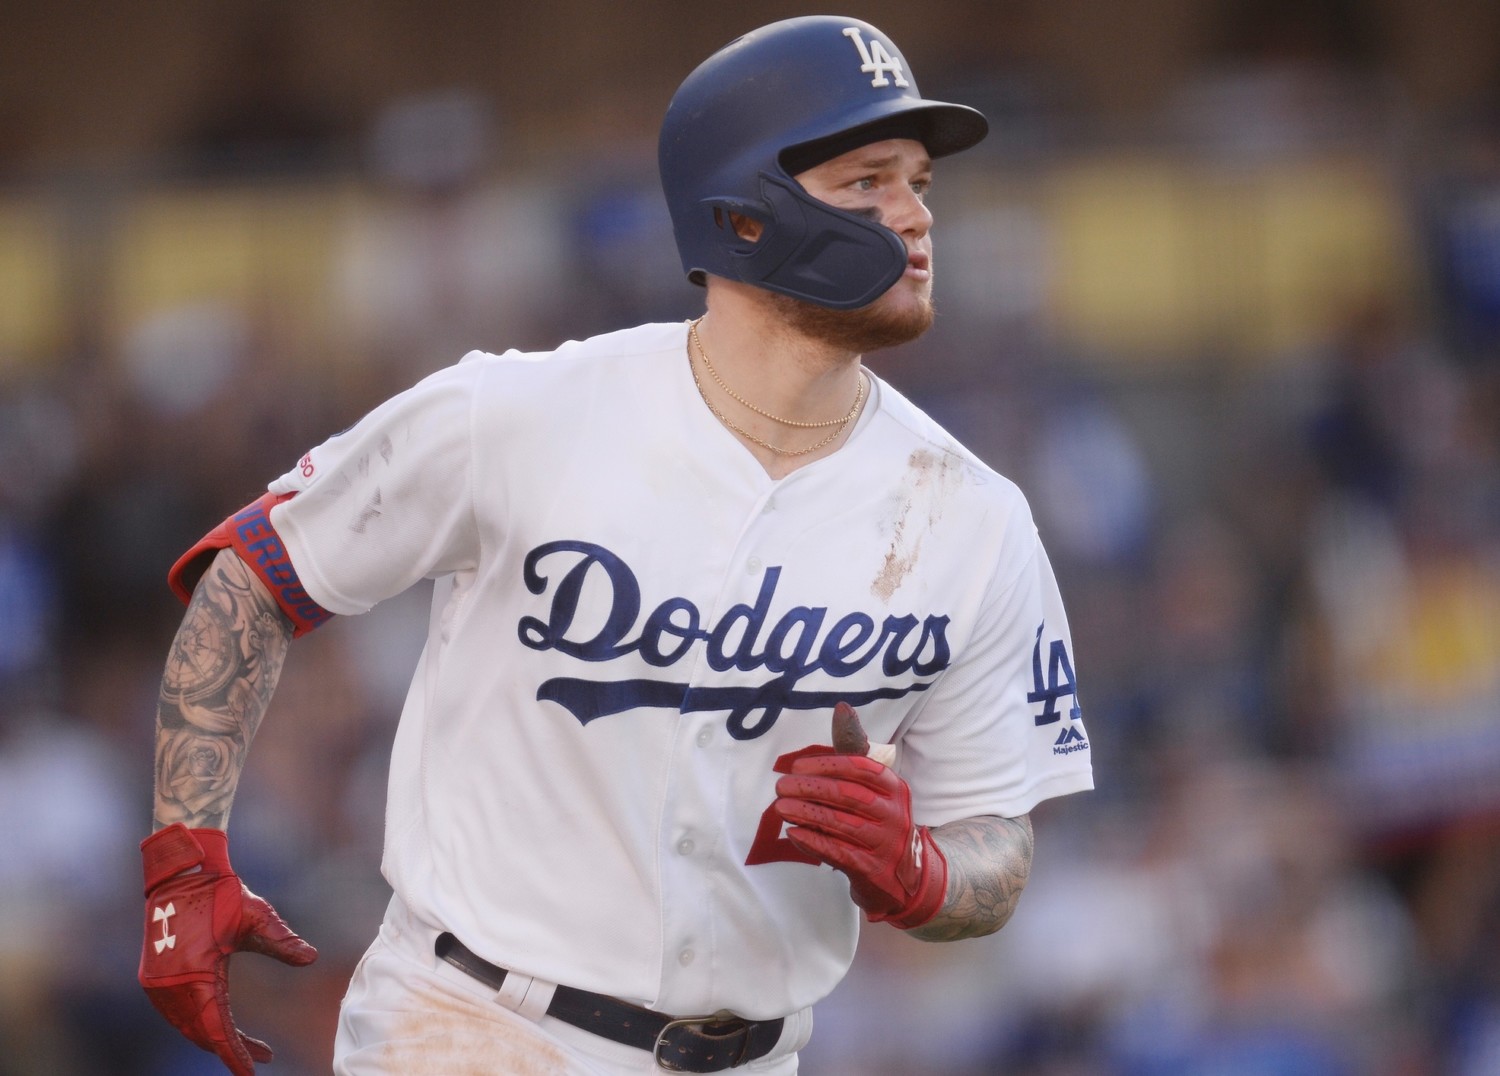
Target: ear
x=747, y=228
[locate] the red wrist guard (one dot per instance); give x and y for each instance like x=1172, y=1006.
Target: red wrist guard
x=250, y=534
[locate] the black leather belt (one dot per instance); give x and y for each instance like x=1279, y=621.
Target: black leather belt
x=691, y=1044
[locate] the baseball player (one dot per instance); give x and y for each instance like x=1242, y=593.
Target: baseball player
x=731, y=646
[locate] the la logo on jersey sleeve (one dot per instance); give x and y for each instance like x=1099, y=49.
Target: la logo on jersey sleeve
x=1051, y=687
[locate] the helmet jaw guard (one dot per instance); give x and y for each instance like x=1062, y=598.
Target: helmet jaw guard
x=777, y=101
x=810, y=250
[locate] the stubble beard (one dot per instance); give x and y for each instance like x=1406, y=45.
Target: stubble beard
x=868, y=328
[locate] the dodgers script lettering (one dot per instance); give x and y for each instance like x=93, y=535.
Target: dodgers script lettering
x=799, y=643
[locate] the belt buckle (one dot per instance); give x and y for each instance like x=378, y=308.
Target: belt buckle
x=734, y=1026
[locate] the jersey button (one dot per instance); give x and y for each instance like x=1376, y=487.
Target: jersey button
x=752, y=565
x=685, y=957
x=685, y=846
x=704, y=736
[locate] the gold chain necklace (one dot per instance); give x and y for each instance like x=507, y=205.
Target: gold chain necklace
x=737, y=398
x=838, y=423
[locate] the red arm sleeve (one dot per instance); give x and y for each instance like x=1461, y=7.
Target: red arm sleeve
x=250, y=534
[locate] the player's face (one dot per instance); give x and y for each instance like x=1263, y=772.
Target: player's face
x=887, y=182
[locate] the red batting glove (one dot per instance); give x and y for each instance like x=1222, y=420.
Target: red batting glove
x=855, y=815
x=198, y=913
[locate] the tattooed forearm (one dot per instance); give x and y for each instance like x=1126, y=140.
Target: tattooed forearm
x=222, y=669
x=989, y=862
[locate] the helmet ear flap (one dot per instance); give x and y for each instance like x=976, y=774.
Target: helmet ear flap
x=809, y=250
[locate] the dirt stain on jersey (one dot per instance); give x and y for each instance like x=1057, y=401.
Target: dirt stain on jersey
x=900, y=559
x=930, y=478
x=386, y=449
x=371, y=510
x=453, y=1038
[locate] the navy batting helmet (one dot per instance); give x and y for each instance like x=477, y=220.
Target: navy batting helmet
x=774, y=103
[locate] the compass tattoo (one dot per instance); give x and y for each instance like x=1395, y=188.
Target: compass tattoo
x=223, y=666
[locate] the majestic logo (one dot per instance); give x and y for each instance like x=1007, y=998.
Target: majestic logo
x=800, y=643
x=1070, y=740
x=163, y=915
x=877, y=60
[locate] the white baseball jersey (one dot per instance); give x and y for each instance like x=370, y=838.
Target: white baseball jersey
x=633, y=622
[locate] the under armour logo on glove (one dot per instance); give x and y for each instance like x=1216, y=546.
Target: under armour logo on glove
x=198, y=914
x=164, y=917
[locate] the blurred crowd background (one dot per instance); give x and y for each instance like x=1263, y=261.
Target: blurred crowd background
x=1221, y=292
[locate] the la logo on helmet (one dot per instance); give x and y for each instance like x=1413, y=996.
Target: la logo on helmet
x=877, y=60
